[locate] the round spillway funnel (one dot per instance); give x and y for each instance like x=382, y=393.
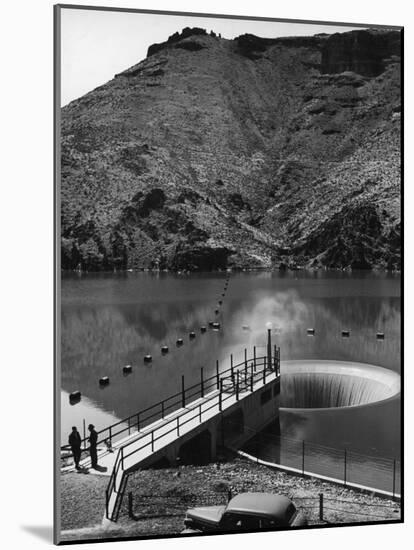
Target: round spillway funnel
x=335, y=384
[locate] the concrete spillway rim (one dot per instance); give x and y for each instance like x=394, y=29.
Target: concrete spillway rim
x=344, y=368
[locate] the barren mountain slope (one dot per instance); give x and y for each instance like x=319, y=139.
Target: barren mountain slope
x=214, y=153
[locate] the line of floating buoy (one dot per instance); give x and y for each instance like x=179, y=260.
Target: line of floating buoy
x=380, y=336
x=75, y=397
x=311, y=331
x=345, y=333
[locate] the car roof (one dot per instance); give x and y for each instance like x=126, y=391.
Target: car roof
x=265, y=504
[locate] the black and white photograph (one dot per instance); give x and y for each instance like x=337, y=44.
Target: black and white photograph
x=228, y=256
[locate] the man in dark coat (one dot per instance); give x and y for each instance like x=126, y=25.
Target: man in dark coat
x=93, y=441
x=75, y=445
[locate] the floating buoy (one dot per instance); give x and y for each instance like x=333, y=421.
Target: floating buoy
x=164, y=349
x=203, y=329
x=311, y=331
x=210, y=323
x=220, y=302
x=216, y=326
x=148, y=359
x=216, y=311
x=380, y=336
x=192, y=335
x=104, y=381
x=74, y=397
x=127, y=369
x=245, y=327
x=345, y=334
x=180, y=342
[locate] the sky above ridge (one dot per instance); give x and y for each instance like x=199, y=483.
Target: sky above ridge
x=96, y=45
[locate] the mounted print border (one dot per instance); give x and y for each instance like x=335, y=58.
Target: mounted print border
x=228, y=274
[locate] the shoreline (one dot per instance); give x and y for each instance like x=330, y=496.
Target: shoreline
x=162, y=496
x=236, y=270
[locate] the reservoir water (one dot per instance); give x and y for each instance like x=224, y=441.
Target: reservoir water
x=112, y=320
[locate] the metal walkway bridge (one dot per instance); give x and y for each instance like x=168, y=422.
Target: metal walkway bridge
x=137, y=440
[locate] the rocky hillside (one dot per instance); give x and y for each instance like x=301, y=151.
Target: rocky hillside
x=248, y=152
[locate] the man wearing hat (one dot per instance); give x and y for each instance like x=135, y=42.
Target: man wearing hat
x=75, y=445
x=93, y=441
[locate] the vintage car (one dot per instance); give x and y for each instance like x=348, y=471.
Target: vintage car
x=245, y=512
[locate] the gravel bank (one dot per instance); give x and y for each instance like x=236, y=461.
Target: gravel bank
x=161, y=497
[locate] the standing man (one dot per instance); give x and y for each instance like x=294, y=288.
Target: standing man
x=75, y=445
x=93, y=440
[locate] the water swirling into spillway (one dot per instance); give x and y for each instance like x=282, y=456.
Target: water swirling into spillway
x=335, y=384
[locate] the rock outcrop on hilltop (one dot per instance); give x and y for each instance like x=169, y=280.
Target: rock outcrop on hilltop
x=215, y=153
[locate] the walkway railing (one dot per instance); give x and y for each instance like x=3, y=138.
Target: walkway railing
x=215, y=390
x=159, y=410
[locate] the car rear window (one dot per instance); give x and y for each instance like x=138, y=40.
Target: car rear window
x=290, y=511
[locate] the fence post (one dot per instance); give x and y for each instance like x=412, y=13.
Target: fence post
x=231, y=365
x=129, y=425
x=122, y=461
x=344, y=466
x=202, y=382
x=217, y=374
x=393, y=479
x=199, y=413
x=152, y=441
x=303, y=457
x=130, y=505
x=220, y=395
x=251, y=379
x=264, y=370
x=178, y=425
x=182, y=392
x=321, y=506
x=110, y=435
x=254, y=357
x=138, y=422
x=245, y=357
x=162, y=409
x=275, y=357
x=237, y=385
x=84, y=434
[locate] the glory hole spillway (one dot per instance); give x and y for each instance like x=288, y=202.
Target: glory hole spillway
x=335, y=384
